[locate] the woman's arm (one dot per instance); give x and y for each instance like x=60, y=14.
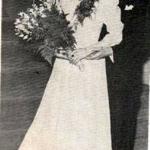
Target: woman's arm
x=112, y=19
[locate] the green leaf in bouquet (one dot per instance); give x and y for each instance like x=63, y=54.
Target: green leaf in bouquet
x=46, y=52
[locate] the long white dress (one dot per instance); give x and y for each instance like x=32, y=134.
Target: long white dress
x=74, y=111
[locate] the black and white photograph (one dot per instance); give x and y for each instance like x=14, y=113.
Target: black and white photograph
x=75, y=74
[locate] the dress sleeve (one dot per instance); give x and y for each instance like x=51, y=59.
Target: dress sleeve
x=112, y=19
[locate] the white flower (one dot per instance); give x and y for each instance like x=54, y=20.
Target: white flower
x=48, y=5
x=31, y=10
x=30, y=25
x=20, y=26
x=17, y=21
x=34, y=13
x=34, y=22
x=24, y=22
x=26, y=17
x=21, y=35
x=41, y=9
x=16, y=33
x=43, y=16
x=35, y=7
x=26, y=31
x=21, y=14
x=25, y=37
x=27, y=21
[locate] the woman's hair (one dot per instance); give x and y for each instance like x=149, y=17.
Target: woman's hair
x=83, y=10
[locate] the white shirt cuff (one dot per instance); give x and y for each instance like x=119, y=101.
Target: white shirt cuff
x=112, y=58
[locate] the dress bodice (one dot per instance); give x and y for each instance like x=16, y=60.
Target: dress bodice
x=107, y=12
x=88, y=33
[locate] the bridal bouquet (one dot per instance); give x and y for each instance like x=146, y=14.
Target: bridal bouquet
x=46, y=27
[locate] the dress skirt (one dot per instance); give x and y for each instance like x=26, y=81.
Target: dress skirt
x=74, y=111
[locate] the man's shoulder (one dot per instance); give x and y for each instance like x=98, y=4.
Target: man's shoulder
x=133, y=8
x=135, y=3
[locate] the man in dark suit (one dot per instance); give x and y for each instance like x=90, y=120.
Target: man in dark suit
x=125, y=75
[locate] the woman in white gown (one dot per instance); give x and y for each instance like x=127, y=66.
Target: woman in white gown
x=74, y=111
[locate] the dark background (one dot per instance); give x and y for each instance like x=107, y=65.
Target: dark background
x=24, y=78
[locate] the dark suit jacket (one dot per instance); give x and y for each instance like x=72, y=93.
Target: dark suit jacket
x=134, y=28
x=125, y=75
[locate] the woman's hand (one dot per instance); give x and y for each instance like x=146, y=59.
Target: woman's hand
x=93, y=52
x=79, y=54
x=61, y=54
x=82, y=53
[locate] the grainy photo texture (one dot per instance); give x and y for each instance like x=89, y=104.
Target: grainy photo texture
x=75, y=75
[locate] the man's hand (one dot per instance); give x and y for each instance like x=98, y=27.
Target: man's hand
x=102, y=53
x=93, y=52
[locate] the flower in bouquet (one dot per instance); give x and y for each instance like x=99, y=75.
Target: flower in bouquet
x=46, y=27
x=27, y=21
